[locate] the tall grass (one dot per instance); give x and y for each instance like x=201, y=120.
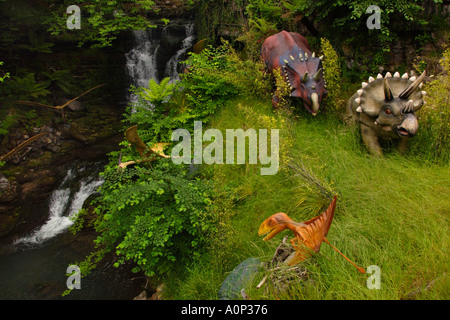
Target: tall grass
x=392, y=212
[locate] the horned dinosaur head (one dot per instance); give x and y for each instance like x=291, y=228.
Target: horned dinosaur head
x=392, y=101
x=304, y=76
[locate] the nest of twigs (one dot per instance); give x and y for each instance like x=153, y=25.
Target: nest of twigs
x=279, y=274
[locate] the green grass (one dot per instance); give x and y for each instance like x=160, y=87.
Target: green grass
x=392, y=212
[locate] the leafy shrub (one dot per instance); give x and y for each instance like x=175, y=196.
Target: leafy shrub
x=23, y=88
x=332, y=76
x=218, y=75
x=257, y=30
x=282, y=93
x=102, y=21
x=207, y=85
x=264, y=18
x=434, y=117
x=155, y=217
x=348, y=18
x=7, y=123
x=155, y=113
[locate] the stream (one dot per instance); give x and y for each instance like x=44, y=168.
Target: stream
x=34, y=266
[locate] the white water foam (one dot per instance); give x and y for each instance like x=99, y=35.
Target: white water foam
x=172, y=64
x=141, y=59
x=63, y=207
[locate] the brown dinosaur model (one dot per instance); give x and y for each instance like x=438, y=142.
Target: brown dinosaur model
x=289, y=53
x=309, y=235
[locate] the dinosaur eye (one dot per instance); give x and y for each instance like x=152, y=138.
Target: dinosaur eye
x=387, y=111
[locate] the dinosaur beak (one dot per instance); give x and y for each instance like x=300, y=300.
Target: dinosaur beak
x=273, y=225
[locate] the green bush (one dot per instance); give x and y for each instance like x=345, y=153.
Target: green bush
x=155, y=217
x=219, y=75
x=155, y=112
x=207, y=85
x=433, y=137
x=332, y=76
x=347, y=19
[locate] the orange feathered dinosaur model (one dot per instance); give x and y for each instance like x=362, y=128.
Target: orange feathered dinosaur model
x=309, y=235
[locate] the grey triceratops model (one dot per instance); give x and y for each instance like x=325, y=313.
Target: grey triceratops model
x=385, y=108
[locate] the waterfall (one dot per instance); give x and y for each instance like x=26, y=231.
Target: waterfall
x=172, y=64
x=142, y=59
x=65, y=202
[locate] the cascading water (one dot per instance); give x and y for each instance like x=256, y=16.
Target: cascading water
x=65, y=202
x=172, y=64
x=141, y=62
x=147, y=53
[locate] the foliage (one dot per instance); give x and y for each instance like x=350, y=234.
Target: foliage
x=264, y=18
x=37, y=43
x=21, y=88
x=257, y=30
x=60, y=79
x=5, y=75
x=283, y=92
x=434, y=116
x=6, y=123
x=155, y=217
x=348, y=17
x=155, y=112
x=222, y=15
x=156, y=93
x=332, y=76
x=218, y=75
x=208, y=85
x=270, y=10
x=101, y=21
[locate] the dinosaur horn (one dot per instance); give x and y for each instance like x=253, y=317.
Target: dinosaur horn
x=305, y=77
x=315, y=103
x=388, y=96
x=408, y=91
x=317, y=75
x=409, y=107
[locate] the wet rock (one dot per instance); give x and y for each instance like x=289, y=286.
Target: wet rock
x=237, y=279
x=8, y=222
x=9, y=190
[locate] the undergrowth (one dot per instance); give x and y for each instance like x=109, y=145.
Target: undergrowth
x=391, y=212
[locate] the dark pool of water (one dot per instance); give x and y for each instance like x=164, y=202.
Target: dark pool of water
x=40, y=273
